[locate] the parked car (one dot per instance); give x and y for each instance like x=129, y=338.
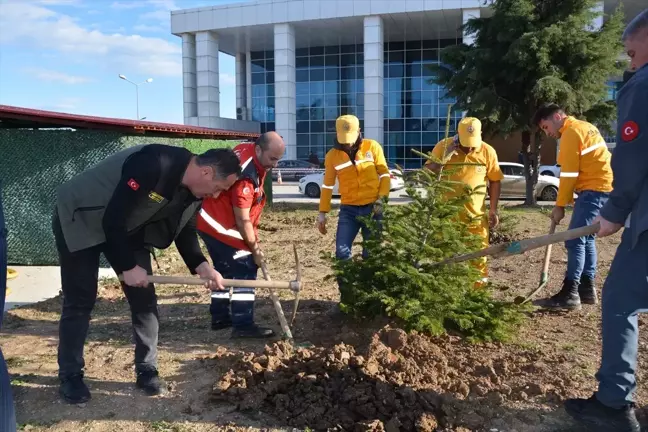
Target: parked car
x=550, y=170
x=311, y=185
x=514, y=183
x=293, y=169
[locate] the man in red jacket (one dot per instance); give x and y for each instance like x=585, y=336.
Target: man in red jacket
x=228, y=224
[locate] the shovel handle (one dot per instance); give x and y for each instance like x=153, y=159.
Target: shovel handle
x=242, y=283
x=547, y=258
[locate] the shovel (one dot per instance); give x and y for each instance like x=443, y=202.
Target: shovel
x=544, y=276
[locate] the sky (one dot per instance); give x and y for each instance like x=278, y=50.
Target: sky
x=67, y=55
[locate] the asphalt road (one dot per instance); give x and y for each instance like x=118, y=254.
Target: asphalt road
x=289, y=192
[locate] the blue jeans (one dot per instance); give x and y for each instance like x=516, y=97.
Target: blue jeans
x=232, y=264
x=625, y=295
x=581, y=252
x=7, y=413
x=348, y=227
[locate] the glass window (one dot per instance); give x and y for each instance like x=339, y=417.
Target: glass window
x=360, y=58
x=347, y=73
x=413, y=124
x=302, y=138
x=317, y=126
x=394, y=84
x=430, y=124
x=413, y=138
x=331, y=87
x=413, y=56
x=302, y=127
x=317, y=61
x=269, y=64
x=395, y=71
x=316, y=87
x=303, y=100
x=332, y=49
x=332, y=60
x=517, y=170
x=303, y=114
x=258, y=65
x=258, y=78
x=397, y=125
x=396, y=46
x=345, y=49
x=331, y=113
x=332, y=74
x=316, y=100
x=359, y=72
x=270, y=91
x=417, y=111
x=317, y=75
x=394, y=112
x=331, y=100
x=270, y=77
x=302, y=88
x=348, y=60
x=430, y=44
x=314, y=51
x=302, y=75
x=257, y=55
x=413, y=45
x=301, y=62
x=258, y=90
x=414, y=70
x=303, y=152
x=430, y=55
x=348, y=110
x=316, y=114
x=430, y=139
x=301, y=52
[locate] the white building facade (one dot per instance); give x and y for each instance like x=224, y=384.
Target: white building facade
x=302, y=63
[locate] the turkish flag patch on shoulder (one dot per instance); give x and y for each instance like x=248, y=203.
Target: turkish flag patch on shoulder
x=629, y=131
x=133, y=184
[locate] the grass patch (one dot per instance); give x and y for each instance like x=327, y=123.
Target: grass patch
x=198, y=146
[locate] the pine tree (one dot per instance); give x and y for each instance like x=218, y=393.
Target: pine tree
x=398, y=278
x=529, y=52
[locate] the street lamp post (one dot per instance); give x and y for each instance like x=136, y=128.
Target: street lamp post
x=136, y=90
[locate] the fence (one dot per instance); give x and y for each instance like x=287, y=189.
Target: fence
x=35, y=162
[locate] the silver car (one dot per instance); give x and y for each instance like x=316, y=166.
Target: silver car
x=514, y=183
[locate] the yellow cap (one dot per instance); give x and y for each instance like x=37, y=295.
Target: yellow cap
x=469, y=130
x=347, y=128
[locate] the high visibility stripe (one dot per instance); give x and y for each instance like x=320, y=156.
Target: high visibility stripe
x=592, y=148
x=569, y=174
x=361, y=161
x=241, y=253
x=328, y=187
x=238, y=290
x=385, y=175
x=220, y=295
x=242, y=297
x=344, y=165
x=218, y=227
x=246, y=163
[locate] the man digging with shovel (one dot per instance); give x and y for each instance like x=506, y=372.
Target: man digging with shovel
x=584, y=161
x=228, y=225
x=138, y=199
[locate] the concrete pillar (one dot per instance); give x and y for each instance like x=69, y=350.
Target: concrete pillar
x=241, y=87
x=373, y=78
x=285, y=103
x=248, y=85
x=189, y=78
x=467, y=14
x=207, y=77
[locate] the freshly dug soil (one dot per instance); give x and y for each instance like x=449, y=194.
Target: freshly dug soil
x=403, y=382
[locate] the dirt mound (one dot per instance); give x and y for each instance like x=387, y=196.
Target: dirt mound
x=403, y=382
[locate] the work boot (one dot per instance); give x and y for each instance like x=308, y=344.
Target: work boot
x=252, y=331
x=73, y=390
x=221, y=324
x=587, y=291
x=567, y=298
x=601, y=418
x=150, y=382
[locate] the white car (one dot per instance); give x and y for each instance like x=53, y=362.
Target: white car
x=550, y=170
x=514, y=183
x=311, y=185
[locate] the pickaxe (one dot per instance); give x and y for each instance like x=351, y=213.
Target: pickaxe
x=294, y=285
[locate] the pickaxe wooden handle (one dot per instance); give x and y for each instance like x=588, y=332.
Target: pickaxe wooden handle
x=519, y=247
x=242, y=283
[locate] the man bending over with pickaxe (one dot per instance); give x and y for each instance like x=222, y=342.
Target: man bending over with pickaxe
x=229, y=226
x=138, y=199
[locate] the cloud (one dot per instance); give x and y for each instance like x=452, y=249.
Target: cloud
x=127, y=5
x=64, y=105
x=45, y=29
x=227, y=79
x=145, y=28
x=55, y=76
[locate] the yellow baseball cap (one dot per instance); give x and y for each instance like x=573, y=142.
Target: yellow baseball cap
x=347, y=128
x=469, y=130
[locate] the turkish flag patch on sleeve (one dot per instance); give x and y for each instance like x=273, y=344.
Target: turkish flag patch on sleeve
x=133, y=184
x=629, y=131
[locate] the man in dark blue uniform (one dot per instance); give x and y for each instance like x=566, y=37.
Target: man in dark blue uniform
x=7, y=414
x=625, y=293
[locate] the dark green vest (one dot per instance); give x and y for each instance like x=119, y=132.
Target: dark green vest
x=82, y=200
